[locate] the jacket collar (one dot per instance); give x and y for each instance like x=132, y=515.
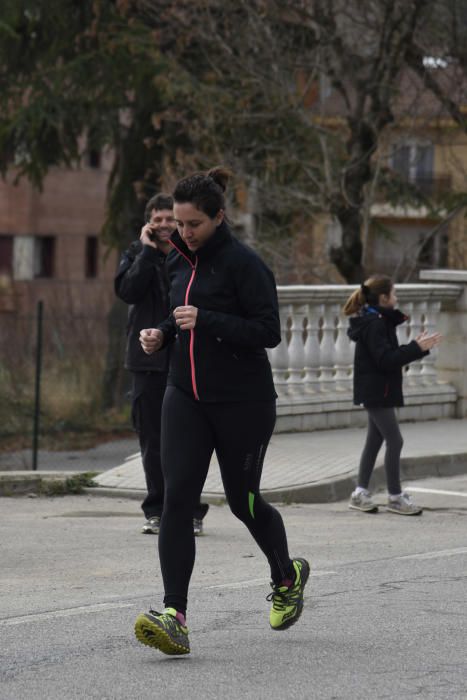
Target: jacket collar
x=220, y=237
x=393, y=316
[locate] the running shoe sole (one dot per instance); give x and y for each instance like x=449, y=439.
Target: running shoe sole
x=401, y=512
x=304, y=575
x=368, y=509
x=151, y=634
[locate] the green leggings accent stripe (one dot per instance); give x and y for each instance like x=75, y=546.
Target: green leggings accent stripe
x=251, y=503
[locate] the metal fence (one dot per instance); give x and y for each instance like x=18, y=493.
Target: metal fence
x=62, y=388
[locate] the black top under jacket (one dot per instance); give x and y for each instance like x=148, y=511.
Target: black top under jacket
x=142, y=282
x=223, y=358
x=379, y=358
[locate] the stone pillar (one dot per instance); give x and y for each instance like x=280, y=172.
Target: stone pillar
x=451, y=355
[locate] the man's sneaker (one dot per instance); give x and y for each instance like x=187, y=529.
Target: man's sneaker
x=403, y=505
x=287, y=602
x=362, y=501
x=152, y=526
x=197, y=527
x=162, y=631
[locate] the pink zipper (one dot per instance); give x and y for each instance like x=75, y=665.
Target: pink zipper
x=192, y=330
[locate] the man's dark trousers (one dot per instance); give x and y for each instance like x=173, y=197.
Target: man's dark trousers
x=148, y=393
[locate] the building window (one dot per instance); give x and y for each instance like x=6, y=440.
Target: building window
x=413, y=161
x=6, y=254
x=94, y=158
x=44, y=256
x=33, y=257
x=91, y=256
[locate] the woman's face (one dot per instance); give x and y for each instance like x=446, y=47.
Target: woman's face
x=388, y=301
x=194, y=226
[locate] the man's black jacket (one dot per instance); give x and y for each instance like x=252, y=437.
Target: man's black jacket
x=224, y=357
x=142, y=282
x=379, y=358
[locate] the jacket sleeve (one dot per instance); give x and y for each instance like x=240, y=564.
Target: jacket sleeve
x=384, y=355
x=135, y=274
x=169, y=329
x=259, y=325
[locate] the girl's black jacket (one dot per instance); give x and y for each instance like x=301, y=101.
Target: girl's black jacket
x=379, y=358
x=223, y=358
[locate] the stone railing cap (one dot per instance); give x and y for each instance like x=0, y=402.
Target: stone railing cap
x=338, y=293
x=458, y=276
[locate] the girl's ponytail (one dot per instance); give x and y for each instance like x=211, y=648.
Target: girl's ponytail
x=368, y=293
x=355, y=302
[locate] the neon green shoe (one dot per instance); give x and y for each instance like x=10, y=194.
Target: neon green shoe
x=162, y=631
x=287, y=603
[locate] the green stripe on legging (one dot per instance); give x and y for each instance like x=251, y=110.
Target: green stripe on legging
x=251, y=503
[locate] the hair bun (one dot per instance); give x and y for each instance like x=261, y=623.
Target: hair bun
x=220, y=175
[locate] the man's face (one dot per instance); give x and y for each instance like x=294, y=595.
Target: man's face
x=162, y=225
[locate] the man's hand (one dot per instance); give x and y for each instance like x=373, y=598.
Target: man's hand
x=151, y=340
x=427, y=341
x=185, y=317
x=144, y=237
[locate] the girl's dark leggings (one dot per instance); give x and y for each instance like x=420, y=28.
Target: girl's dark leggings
x=382, y=427
x=239, y=433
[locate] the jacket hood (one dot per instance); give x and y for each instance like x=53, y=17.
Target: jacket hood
x=368, y=315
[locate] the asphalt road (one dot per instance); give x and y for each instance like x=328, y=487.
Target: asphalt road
x=385, y=615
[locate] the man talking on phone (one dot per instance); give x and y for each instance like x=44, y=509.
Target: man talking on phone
x=141, y=282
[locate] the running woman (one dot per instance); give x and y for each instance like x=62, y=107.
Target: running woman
x=378, y=366
x=220, y=396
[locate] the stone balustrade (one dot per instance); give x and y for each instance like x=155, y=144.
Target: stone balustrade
x=313, y=365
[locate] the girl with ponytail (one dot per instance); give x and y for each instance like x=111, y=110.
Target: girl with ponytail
x=378, y=363
x=220, y=396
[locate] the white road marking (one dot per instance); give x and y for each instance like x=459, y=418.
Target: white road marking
x=69, y=612
x=440, y=492
x=250, y=583
x=435, y=555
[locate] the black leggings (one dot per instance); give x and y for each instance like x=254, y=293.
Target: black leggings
x=239, y=433
x=382, y=426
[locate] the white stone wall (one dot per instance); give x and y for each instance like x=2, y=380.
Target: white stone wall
x=313, y=365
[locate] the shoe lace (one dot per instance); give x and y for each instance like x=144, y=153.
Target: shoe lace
x=283, y=597
x=170, y=622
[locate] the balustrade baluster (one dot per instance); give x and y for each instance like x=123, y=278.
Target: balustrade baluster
x=344, y=356
x=279, y=356
x=312, y=347
x=328, y=348
x=297, y=313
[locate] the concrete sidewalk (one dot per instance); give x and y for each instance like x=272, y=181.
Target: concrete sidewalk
x=316, y=467
x=321, y=466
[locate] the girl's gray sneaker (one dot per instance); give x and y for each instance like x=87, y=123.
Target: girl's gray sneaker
x=362, y=501
x=403, y=505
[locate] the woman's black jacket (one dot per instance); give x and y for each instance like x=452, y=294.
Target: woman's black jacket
x=379, y=358
x=223, y=358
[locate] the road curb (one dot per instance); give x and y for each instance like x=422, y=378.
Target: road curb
x=327, y=491
x=23, y=483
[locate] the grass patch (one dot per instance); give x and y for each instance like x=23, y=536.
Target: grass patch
x=72, y=485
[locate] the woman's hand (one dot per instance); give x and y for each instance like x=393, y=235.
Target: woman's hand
x=151, y=340
x=426, y=341
x=185, y=317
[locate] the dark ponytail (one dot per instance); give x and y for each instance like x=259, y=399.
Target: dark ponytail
x=204, y=190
